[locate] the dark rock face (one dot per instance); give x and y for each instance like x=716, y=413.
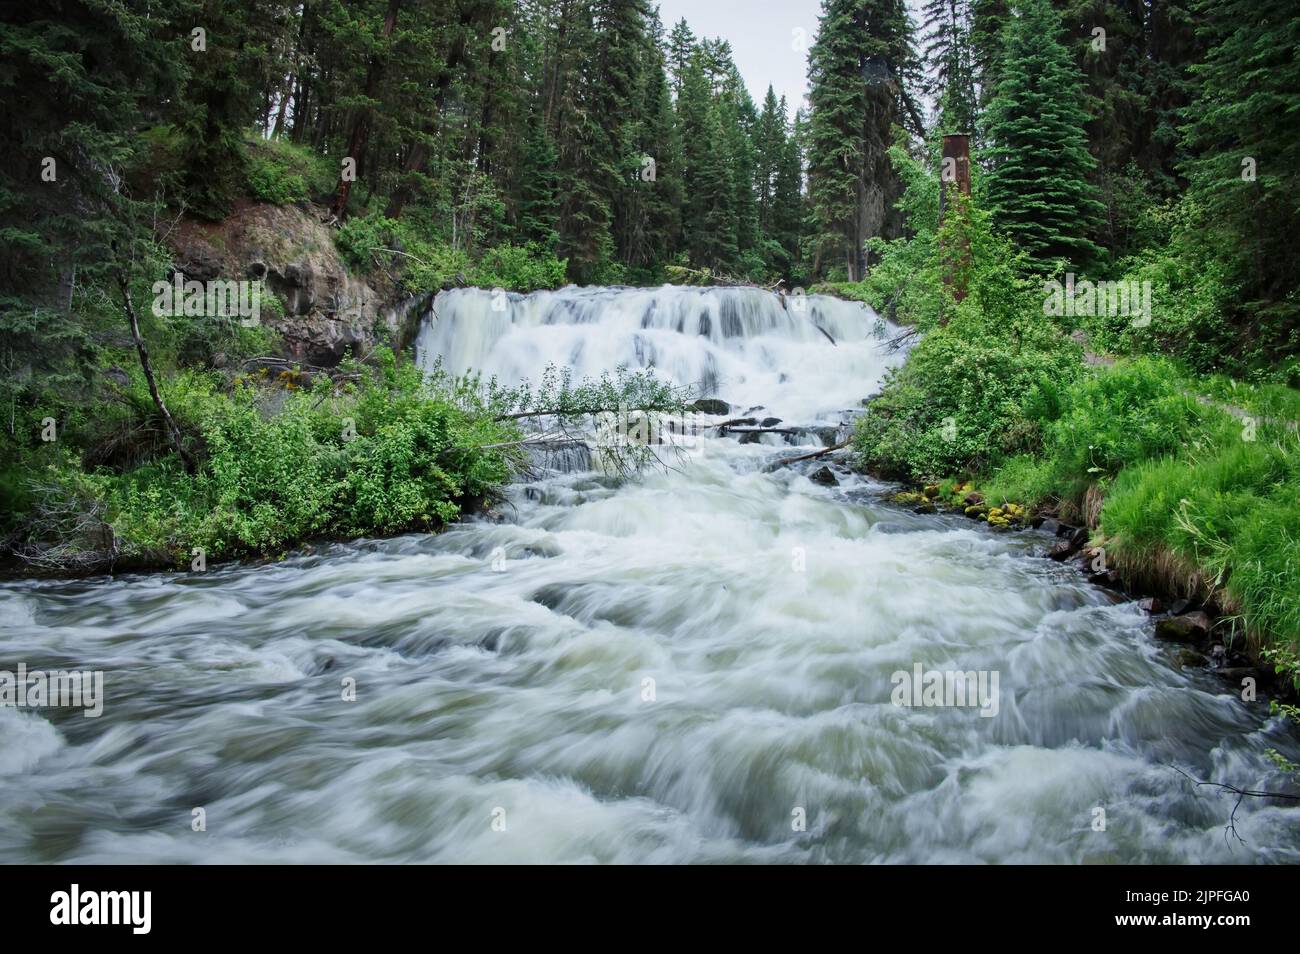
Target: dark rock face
x=710, y=406
x=1187, y=628
x=769, y=422
x=325, y=310
x=824, y=476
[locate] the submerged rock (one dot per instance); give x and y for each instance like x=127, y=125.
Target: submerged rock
x=710, y=406
x=823, y=475
x=1187, y=628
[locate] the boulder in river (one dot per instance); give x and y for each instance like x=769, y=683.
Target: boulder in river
x=1187, y=628
x=710, y=406
x=1064, y=549
x=823, y=475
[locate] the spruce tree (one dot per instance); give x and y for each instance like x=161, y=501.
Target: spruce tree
x=708, y=215
x=1242, y=125
x=1038, y=185
x=858, y=69
x=681, y=47
x=947, y=53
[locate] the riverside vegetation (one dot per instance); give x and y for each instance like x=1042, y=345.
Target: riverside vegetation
x=1184, y=427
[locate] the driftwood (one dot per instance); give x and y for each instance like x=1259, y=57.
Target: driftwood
x=762, y=430
x=817, y=453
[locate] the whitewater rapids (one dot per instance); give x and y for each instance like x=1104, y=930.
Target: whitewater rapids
x=690, y=666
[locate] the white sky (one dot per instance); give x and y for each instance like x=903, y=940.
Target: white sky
x=762, y=36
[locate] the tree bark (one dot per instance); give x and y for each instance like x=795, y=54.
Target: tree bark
x=173, y=432
x=361, y=127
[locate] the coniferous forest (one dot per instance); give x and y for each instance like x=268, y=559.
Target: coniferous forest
x=470, y=228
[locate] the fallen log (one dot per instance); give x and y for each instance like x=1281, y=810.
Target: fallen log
x=817, y=453
x=762, y=430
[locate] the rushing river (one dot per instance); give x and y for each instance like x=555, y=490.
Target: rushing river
x=695, y=665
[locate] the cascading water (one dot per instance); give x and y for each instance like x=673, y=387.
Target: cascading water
x=808, y=356
x=694, y=665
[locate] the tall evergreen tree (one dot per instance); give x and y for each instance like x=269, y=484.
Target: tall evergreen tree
x=858, y=68
x=948, y=59
x=1242, y=125
x=1038, y=182
x=708, y=215
x=681, y=47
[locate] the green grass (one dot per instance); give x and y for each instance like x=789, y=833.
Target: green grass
x=1182, y=472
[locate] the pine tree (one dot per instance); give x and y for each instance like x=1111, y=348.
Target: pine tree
x=947, y=54
x=708, y=216
x=584, y=171
x=1038, y=182
x=661, y=195
x=681, y=47
x=1243, y=126
x=538, y=187
x=769, y=146
x=858, y=69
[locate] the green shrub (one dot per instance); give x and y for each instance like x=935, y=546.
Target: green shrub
x=283, y=173
x=390, y=452
x=522, y=268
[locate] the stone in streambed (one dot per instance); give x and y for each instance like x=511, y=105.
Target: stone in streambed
x=1187, y=628
x=1063, y=550
x=710, y=406
x=823, y=475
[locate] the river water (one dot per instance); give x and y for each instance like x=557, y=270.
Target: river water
x=693, y=665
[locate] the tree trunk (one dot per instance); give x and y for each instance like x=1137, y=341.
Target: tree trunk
x=419, y=153
x=361, y=127
x=173, y=432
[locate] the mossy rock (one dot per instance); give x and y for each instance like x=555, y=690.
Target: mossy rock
x=910, y=497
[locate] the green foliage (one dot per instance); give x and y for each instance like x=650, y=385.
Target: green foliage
x=389, y=452
x=1106, y=421
x=1038, y=157
x=518, y=268
x=857, y=71
x=960, y=401
x=282, y=173
x=556, y=393
x=426, y=264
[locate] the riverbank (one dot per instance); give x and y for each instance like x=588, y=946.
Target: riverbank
x=275, y=459
x=1187, y=487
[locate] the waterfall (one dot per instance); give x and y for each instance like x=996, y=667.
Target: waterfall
x=806, y=356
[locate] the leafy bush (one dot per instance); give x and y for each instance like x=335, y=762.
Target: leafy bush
x=389, y=452
x=427, y=264
x=282, y=173
x=973, y=388
x=522, y=268
x=959, y=403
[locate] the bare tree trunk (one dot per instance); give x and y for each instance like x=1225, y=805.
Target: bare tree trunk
x=173, y=432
